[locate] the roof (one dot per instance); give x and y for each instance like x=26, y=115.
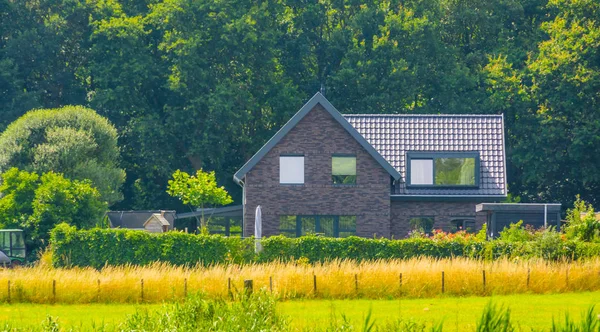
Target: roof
x=318, y=98
x=228, y=211
x=160, y=218
x=136, y=219
x=518, y=207
x=395, y=135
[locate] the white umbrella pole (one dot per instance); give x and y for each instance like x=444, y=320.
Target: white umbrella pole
x=258, y=230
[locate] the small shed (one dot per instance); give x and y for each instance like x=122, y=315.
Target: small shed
x=157, y=224
x=501, y=215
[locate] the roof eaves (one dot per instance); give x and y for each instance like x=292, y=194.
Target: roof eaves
x=318, y=98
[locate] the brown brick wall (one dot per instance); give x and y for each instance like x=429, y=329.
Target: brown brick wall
x=318, y=136
x=443, y=213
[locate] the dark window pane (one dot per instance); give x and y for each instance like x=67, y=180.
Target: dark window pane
x=5, y=238
x=455, y=171
x=217, y=225
x=424, y=224
x=287, y=226
x=308, y=225
x=347, y=224
x=344, y=179
x=327, y=226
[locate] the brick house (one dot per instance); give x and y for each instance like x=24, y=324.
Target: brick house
x=374, y=175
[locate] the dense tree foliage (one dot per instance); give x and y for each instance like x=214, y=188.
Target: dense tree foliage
x=203, y=84
x=74, y=141
x=38, y=203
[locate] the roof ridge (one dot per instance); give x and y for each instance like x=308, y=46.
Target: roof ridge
x=429, y=115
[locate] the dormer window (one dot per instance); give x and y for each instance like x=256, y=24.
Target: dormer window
x=443, y=169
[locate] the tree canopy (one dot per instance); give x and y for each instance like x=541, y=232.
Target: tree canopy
x=204, y=84
x=72, y=140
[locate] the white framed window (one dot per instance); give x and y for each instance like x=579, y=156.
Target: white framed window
x=291, y=169
x=421, y=171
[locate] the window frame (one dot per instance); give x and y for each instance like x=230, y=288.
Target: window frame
x=435, y=155
x=336, y=224
x=345, y=155
x=422, y=217
x=303, y=169
x=454, y=222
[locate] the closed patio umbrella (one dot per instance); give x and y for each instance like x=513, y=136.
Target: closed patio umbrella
x=258, y=229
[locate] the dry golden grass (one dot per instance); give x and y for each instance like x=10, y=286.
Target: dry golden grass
x=339, y=279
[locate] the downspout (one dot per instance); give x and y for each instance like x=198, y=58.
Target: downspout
x=241, y=184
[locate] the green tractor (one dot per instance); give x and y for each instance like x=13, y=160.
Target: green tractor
x=12, y=247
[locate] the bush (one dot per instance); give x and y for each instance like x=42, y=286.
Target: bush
x=38, y=203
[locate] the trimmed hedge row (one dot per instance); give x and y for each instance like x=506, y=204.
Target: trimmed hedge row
x=100, y=247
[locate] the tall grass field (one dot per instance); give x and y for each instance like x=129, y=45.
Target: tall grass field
x=414, y=278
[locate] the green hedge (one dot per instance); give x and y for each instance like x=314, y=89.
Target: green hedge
x=100, y=247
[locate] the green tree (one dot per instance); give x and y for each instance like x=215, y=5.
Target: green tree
x=36, y=204
x=73, y=140
x=198, y=191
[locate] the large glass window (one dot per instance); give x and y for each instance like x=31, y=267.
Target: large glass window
x=332, y=226
x=343, y=169
x=291, y=169
x=446, y=169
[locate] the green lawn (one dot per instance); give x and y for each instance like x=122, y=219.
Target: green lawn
x=458, y=314
x=82, y=315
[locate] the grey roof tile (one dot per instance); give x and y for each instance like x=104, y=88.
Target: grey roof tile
x=395, y=135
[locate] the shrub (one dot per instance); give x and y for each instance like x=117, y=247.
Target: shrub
x=586, y=228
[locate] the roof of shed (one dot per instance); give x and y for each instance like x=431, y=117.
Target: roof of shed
x=158, y=217
x=395, y=135
x=136, y=219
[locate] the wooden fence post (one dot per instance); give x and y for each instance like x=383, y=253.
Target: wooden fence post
x=53, y=291
x=229, y=288
x=9, y=291
x=248, y=285
x=483, y=281
x=185, y=288
x=142, y=289
x=443, y=282
x=98, y=293
x=356, y=282
x=528, y=276
x=271, y=284
x=315, y=283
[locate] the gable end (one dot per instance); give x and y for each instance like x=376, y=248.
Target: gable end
x=318, y=98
